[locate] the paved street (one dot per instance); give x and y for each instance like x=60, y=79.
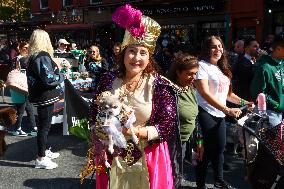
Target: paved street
x=17, y=170
x=17, y=166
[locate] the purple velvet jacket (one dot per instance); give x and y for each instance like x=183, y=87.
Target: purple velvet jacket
x=164, y=116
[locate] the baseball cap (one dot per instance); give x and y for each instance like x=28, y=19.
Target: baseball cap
x=63, y=41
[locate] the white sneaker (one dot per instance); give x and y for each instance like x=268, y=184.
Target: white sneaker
x=20, y=133
x=45, y=163
x=51, y=155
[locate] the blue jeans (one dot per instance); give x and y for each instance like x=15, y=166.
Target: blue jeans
x=20, y=113
x=44, y=123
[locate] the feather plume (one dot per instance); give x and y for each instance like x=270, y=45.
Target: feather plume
x=131, y=19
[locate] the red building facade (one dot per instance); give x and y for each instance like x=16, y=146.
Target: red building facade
x=246, y=19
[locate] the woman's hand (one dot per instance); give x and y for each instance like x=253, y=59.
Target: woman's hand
x=234, y=112
x=199, y=151
x=127, y=131
x=250, y=106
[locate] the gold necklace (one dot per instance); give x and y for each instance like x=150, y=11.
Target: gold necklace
x=127, y=88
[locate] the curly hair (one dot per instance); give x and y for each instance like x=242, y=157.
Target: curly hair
x=40, y=41
x=182, y=62
x=151, y=68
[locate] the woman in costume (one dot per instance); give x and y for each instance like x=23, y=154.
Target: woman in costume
x=213, y=83
x=154, y=102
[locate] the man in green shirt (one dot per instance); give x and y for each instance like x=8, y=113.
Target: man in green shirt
x=269, y=79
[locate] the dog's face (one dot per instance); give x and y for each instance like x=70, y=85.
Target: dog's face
x=8, y=116
x=109, y=104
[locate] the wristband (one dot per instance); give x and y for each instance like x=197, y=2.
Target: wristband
x=242, y=102
x=199, y=142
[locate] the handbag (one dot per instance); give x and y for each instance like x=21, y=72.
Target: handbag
x=17, y=80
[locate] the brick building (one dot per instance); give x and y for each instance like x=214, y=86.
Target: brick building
x=190, y=20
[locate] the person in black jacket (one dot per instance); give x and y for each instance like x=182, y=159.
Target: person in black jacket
x=44, y=81
x=244, y=72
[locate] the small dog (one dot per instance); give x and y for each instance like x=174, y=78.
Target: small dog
x=8, y=117
x=113, y=115
x=66, y=68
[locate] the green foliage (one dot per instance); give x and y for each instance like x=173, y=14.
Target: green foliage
x=6, y=13
x=14, y=9
x=81, y=130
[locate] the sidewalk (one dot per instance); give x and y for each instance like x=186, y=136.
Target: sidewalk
x=17, y=165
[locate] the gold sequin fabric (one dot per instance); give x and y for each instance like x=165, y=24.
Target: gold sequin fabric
x=153, y=30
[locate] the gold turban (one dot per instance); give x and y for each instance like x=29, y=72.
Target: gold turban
x=153, y=30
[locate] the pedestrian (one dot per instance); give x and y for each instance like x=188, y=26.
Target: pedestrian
x=44, y=79
x=62, y=46
x=154, y=102
x=213, y=83
x=20, y=99
x=245, y=69
x=268, y=79
x=183, y=72
x=112, y=59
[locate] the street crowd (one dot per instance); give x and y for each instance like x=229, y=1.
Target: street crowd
x=181, y=99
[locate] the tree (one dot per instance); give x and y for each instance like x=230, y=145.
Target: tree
x=17, y=10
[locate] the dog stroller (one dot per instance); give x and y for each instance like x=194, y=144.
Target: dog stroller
x=263, y=152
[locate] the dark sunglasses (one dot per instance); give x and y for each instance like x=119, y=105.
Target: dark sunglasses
x=91, y=52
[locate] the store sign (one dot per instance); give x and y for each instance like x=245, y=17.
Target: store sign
x=68, y=17
x=188, y=8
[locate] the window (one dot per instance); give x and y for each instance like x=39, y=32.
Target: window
x=43, y=4
x=96, y=2
x=67, y=3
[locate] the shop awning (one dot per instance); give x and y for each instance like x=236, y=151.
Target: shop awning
x=68, y=26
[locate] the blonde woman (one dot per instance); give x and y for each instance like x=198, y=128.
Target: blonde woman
x=43, y=81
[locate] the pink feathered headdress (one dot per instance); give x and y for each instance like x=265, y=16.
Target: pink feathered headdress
x=131, y=19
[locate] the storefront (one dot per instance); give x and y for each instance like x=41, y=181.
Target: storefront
x=190, y=22
x=274, y=16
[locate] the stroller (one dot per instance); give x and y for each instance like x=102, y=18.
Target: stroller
x=263, y=152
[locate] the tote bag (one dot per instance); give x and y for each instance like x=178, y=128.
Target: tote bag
x=17, y=80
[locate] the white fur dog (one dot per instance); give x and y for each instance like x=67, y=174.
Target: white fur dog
x=112, y=116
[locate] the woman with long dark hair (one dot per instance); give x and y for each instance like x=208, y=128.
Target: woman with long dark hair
x=213, y=83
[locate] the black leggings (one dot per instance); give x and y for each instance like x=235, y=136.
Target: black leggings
x=44, y=123
x=214, y=136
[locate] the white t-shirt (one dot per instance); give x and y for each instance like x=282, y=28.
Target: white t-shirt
x=218, y=86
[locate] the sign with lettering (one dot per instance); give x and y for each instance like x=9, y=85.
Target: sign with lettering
x=179, y=9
